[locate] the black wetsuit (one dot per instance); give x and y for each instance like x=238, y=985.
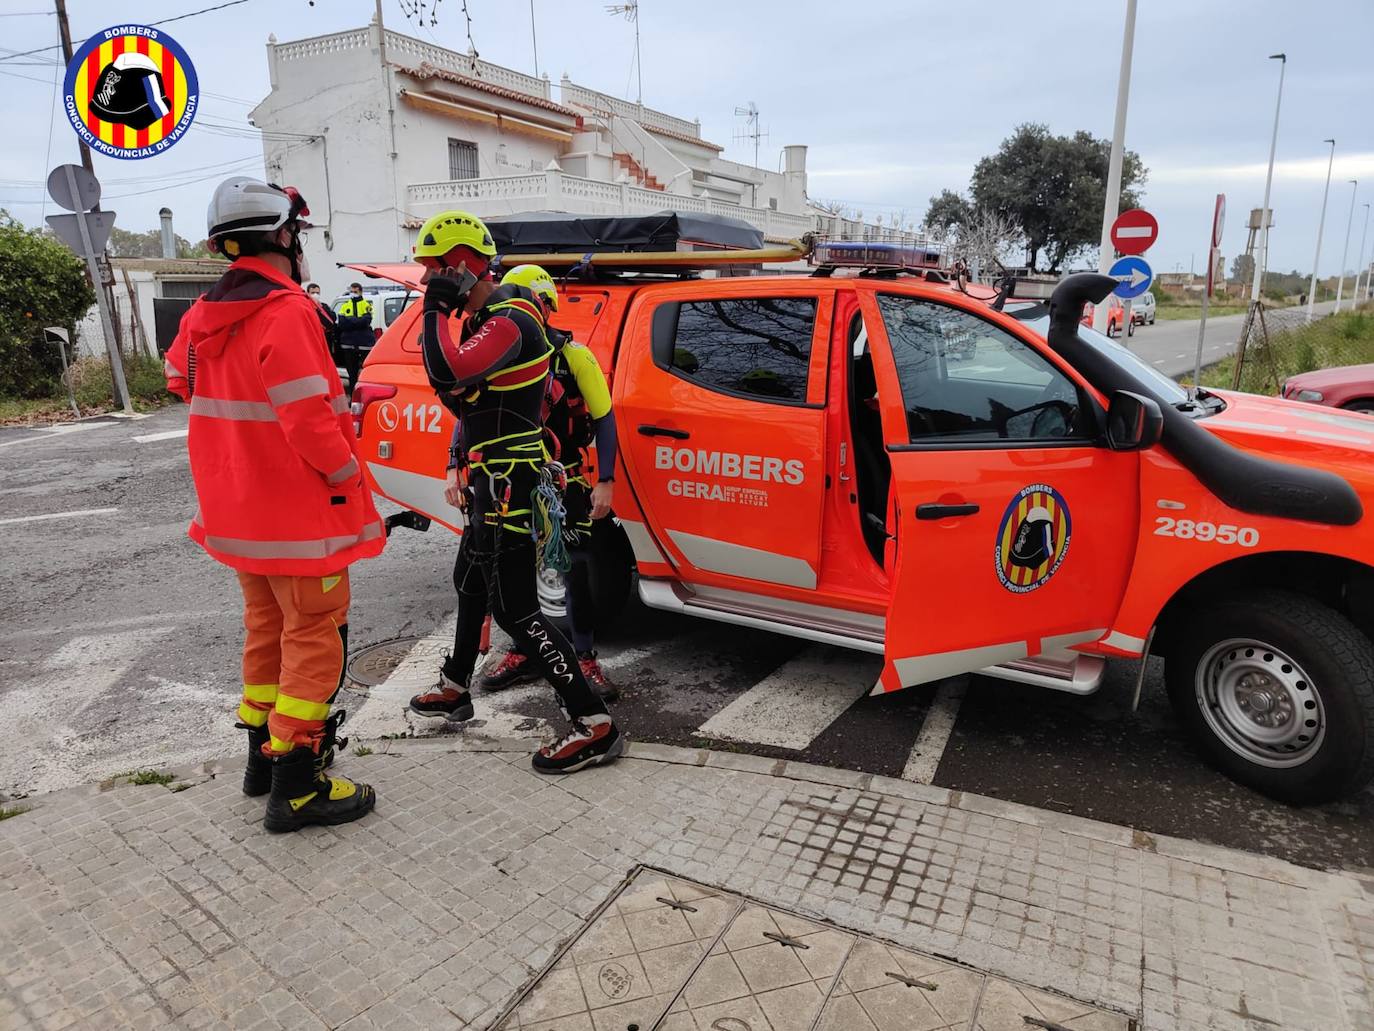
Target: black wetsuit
x=495, y=380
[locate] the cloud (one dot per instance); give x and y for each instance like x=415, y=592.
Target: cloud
x=1347, y=166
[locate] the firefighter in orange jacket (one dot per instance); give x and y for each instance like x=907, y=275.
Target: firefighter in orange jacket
x=282, y=499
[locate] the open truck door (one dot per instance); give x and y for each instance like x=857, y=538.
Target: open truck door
x=1012, y=526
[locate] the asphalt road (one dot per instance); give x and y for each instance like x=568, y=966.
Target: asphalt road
x=119, y=651
x=1171, y=346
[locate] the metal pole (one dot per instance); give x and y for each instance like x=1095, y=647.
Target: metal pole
x=66, y=32
x=1321, y=225
x=534, y=38
x=1345, y=251
x=639, y=65
x=391, y=116
x=1359, y=267
x=1268, y=182
x=1202, y=332
x=121, y=389
x=1112, y=202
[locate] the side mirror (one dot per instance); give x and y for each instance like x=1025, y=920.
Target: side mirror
x=1134, y=422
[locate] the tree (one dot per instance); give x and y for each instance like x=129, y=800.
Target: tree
x=1052, y=189
x=1243, y=269
x=984, y=240
x=148, y=244
x=43, y=284
x=947, y=212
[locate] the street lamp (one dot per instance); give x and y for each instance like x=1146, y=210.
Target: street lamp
x=1268, y=182
x=1359, y=268
x=1345, y=251
x=1112, y=202
x=1321, y=225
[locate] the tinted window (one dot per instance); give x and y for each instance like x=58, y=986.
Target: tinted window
x=393, y=306
x=760, y=346
x=966, y=380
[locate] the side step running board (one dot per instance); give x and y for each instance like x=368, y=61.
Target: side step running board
x=1059, y=671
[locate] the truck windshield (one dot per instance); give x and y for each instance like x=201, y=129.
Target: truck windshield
x=1037, y=317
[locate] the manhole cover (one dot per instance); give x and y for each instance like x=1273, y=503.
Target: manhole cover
x=668, y=954
x=371, y=666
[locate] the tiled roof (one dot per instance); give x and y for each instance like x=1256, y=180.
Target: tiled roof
x=428, y=71
x=174, y=266
x=660, y=131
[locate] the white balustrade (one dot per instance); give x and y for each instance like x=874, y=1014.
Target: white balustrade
x=319, y=46
x=598, y=101
x=466, y=64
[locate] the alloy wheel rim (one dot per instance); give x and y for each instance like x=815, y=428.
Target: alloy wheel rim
x=1260, y=703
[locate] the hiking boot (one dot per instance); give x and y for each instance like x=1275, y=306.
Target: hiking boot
x=596, y=677
x=449, y=699
x=592, y=741
x=257, y=775
x=302, y=795
x=513, y=669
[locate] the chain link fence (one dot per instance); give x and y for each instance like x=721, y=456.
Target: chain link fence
x=1278, y=343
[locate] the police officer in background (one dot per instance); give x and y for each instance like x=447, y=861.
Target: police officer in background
x=355, y=331
x=328, y=320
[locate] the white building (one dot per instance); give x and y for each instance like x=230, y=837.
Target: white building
x=381, y=130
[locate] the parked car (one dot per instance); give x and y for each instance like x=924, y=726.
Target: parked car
x=1143, y=309
x=880, y=497
x=1350, y=387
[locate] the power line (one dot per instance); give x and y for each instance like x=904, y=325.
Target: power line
x=161, y=21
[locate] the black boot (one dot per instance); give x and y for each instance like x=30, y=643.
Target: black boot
x=257, y=775
x=302, y=795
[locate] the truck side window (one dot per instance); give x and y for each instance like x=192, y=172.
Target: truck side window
x=759, y=347
x=966, y=380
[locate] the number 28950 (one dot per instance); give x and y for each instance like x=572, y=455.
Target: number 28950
x=1187, y=530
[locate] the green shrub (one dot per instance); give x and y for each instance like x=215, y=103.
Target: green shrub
x=93, y=387
x=42, y=284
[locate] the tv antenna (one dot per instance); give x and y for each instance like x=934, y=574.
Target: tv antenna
x=751, y=131
x=630, y=9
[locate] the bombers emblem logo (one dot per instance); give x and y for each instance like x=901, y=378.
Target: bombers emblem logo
x=1033, y=538
x=131, y=92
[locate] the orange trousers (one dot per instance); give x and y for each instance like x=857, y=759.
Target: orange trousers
x=293, y=654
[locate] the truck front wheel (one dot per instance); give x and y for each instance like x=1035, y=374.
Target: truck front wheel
x=1277, y=690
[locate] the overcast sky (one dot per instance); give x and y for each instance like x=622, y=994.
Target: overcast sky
x=896, y=100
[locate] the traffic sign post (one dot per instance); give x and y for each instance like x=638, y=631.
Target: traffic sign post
x=1218, y=225
x=72, y=187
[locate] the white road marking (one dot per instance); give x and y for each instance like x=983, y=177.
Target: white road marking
x=794, y=704
x=935, y=732
x=59, y=431
x=47, y=712
x=78, y=513
x=151, y=438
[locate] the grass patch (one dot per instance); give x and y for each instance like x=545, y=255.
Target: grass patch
x=1168, y=312
x=1344, y=339
x=94, y=390
x=362, y=750
x=148, y=777
x=8, y=811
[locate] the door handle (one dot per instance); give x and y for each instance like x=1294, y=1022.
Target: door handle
x=662, y=431
x=933, y=511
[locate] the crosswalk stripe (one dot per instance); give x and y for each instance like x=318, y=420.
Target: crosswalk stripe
x=796, y=702
x=935, y=732
x=152, y=438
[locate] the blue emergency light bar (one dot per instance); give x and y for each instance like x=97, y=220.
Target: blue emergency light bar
x=866, y=254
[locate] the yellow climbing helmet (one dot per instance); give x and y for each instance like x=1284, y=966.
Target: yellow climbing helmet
x=450, y=229
x=533, y=278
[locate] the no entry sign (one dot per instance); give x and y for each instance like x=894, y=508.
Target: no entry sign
x=1134, y=231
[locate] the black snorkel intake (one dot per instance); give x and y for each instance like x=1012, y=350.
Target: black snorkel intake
x=1244, y=481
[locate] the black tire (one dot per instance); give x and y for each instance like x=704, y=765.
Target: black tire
x=1130, y=329
x=1363, y=405
x=1322, y=644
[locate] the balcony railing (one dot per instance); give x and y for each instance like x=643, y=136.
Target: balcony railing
x=598, y=101
x=557, y=191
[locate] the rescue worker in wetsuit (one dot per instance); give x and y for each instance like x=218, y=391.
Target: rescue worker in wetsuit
x=495, y=379
x=579, y=412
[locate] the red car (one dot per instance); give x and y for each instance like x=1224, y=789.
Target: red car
x=1350, y=387
x=1116, y=314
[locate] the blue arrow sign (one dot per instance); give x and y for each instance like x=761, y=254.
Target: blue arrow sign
x=1133, y=277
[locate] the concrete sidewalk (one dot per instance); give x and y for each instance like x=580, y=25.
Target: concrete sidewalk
x=125, y=906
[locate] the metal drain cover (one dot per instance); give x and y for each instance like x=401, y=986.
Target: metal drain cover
x=371, y=666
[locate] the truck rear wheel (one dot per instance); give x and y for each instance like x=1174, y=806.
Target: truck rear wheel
x=612, y=570
x=1277, y=690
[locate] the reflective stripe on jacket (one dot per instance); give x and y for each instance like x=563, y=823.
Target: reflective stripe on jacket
x=271, y=442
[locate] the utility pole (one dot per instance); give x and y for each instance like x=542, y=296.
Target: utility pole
x=1359, y=268
x=1263, y=258
x=66, y=60
x=534, y=38
x=1345, y=251
x=1321, y=225
x=1112, y=202
x=391, y=121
